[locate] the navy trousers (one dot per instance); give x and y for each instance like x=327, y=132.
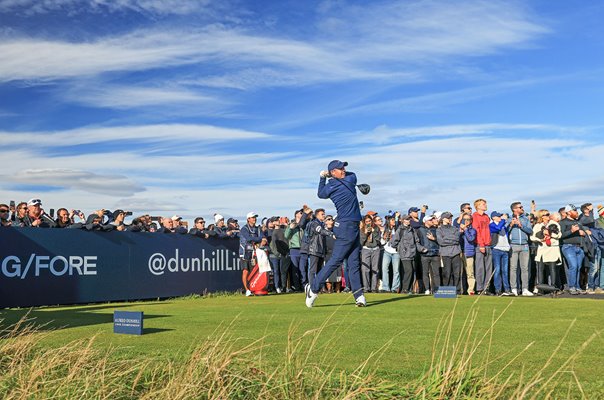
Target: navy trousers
x=347, y=247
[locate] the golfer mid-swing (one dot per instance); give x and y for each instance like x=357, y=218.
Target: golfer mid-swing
x=341, y=189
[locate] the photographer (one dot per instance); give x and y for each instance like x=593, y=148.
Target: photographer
x=546, y=233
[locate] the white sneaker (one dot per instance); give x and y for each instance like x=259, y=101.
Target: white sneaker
x=248, y=293
x=427, y=292
x=535, y=290
x=361, y=302
x=526, y=292
x=515, y=292
x=278, y=290
x=310, y=296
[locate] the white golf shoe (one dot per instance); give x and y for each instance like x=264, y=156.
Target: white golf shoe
x=310, y=296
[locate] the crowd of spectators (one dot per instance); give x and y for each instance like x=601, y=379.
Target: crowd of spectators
x=496, y=253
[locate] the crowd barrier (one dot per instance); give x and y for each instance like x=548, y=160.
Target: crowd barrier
x=71, y=266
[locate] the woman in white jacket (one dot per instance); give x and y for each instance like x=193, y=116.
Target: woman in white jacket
x=546, y=233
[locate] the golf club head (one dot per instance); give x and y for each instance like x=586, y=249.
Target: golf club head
x=364, y=188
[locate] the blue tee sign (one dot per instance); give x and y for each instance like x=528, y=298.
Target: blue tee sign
x=128, y=322
x=446, y=292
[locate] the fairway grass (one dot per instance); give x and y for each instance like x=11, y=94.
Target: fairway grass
x=398, y=337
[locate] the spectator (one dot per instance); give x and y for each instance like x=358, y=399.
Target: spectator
x=370, y=253
x=118, y=220
x=250, y=236
x=169, y=225
x=520, y=230
x=199, y=229
x=334, y=282
x=293, y=233
x=430, y=260
x=406, y=242
x=572, y=240
x=448, y=239
x=468, y=243
x=416, y=218
x=390, y=257
x=278, y=255
x=64, y=219
x=232, y=228
x=599, y=223
x=483, y=260
x=36, y=217
x=18, y=217
x=546, y=233
x=587, y=215
x=501, y=254
x=5, y=215
x=464, y=208
x=94, y=222
x=307, y=216
x=220, y=227
x=316, y=233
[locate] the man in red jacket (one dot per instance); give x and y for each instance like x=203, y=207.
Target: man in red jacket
x=484, y=262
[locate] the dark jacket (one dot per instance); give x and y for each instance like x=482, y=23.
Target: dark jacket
x=47, y=222
x=202, y=232
x=426, y=246
x=278, y=245
x=447, y=237
x=315, y=234
x=247, y=237
x=343, y=193
x=469, y=242
x=406, y=242
x=569, y=237
x=371, y=240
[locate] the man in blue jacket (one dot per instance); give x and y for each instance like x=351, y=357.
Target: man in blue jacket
x=519, y=230
x=341, y=189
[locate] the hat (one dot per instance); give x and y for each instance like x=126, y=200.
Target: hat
x=429, y=218
x=446, y=215
x=406, y=216
x=496, y=214
x=34, y=202
x=231, y=221
x=118, y=212
x=413, y=209
x=251, y=214
x=600, y=209
x=570, y=207
x=176, y=218
x=372, y=213
x=336, y=164
x=437, y=214
x=217, y=217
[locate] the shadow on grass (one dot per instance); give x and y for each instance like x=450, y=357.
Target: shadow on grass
x=48, y=318
x=371, y=303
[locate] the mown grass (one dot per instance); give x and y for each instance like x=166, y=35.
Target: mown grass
x=272, y=347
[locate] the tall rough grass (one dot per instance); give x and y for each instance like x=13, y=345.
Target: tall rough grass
x=226, y=367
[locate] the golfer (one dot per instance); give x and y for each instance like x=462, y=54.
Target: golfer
x=341, y=189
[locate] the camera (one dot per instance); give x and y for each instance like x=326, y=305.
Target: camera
x=128, y=213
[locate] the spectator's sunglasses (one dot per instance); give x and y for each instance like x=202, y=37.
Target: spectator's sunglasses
x=4, y=210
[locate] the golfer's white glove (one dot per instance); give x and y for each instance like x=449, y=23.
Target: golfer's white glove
x=324, y=174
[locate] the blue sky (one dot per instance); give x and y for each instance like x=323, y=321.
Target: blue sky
x=230, y=106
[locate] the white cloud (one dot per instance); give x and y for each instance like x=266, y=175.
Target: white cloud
x=159, y=132
x=31, y=7
x=385, y=41
x=81, y=180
